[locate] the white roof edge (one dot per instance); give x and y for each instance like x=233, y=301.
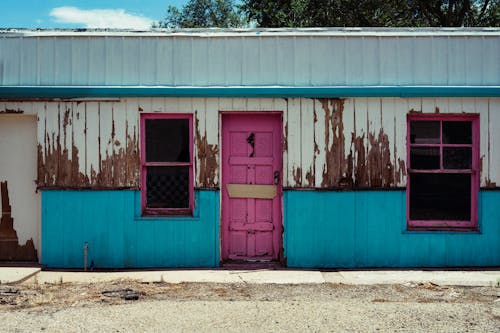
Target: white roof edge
x=272, y=32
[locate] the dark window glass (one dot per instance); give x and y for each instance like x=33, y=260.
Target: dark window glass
x=440, y=196
x=167, y=187
x=167, y=140
x=457, y=158
x=424, y=158
x=458, y=132
x=422, y=131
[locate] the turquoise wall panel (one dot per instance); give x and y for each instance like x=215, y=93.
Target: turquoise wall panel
x=368, y=229
x=118, y=237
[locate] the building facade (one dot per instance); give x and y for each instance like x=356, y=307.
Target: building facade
x=312, y=147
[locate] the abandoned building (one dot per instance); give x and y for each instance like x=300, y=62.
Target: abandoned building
x=193, y=148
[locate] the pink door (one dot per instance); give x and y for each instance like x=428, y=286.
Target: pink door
x=251, y=186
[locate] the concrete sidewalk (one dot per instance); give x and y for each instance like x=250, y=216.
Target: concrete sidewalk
x=459, y=278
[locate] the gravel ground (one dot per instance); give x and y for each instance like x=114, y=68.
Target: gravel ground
x=125, y=306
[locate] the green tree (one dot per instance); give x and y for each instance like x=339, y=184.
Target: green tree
x=203, y=14
x=374, y=13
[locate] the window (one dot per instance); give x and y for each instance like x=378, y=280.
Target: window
x=166, y=164
x=443, y=176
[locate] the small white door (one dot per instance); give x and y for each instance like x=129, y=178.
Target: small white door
x=18, y=172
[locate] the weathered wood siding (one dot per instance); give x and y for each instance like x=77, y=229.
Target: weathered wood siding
x=328, y=143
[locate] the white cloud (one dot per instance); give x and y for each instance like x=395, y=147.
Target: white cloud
x=100, y=18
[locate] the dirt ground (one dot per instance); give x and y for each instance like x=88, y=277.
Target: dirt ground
x=124, y=306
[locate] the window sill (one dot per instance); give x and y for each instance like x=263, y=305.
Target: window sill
x=165, y=218
x=462, y=231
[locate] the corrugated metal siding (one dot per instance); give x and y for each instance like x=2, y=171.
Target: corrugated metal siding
x=355, y=142
x=368, y=229
x=218, y=60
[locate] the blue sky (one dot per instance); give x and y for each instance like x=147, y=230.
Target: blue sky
x=130, y=14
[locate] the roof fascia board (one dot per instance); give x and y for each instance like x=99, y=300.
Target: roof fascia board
x=16, y=92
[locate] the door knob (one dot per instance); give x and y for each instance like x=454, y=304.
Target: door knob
x=276, y=177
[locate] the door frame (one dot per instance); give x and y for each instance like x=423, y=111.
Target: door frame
x=280, y=255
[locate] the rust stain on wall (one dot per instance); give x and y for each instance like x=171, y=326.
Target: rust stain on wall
x=297, y=176
x=368, y=162
x=379, y=161
x=118, y=168
x=12, y=111
x=310, y=177
x=9, y=242
x=335, y=156
x=207, y=158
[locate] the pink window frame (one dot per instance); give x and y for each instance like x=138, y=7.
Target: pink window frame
x=148, y=211
x=474, y=171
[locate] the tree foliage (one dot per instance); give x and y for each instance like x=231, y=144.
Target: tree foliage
x=203, y=14
x=373, y=13
x=334, y=13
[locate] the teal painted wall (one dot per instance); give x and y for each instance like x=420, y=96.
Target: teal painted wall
x=322, y=229
x=119, y=238
x=368, y=229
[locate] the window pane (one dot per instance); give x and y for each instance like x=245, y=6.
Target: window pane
x=167, y=140
x=440, y=196
x=457, y=158
x=424, y=131
x=167, y=187
x=424, y=158
x=457, y=132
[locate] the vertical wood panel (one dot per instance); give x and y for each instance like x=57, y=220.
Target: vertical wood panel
x=494, y=141
x=349, y=139
x=319, y=139
x=93, y=141
x=132, y=133
x=79, y=136
x=119, y=144
x=307, y=142
x=212, y=130
x=200, y=111
x=361, y=146
x=294, y=143
x=482, y=109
